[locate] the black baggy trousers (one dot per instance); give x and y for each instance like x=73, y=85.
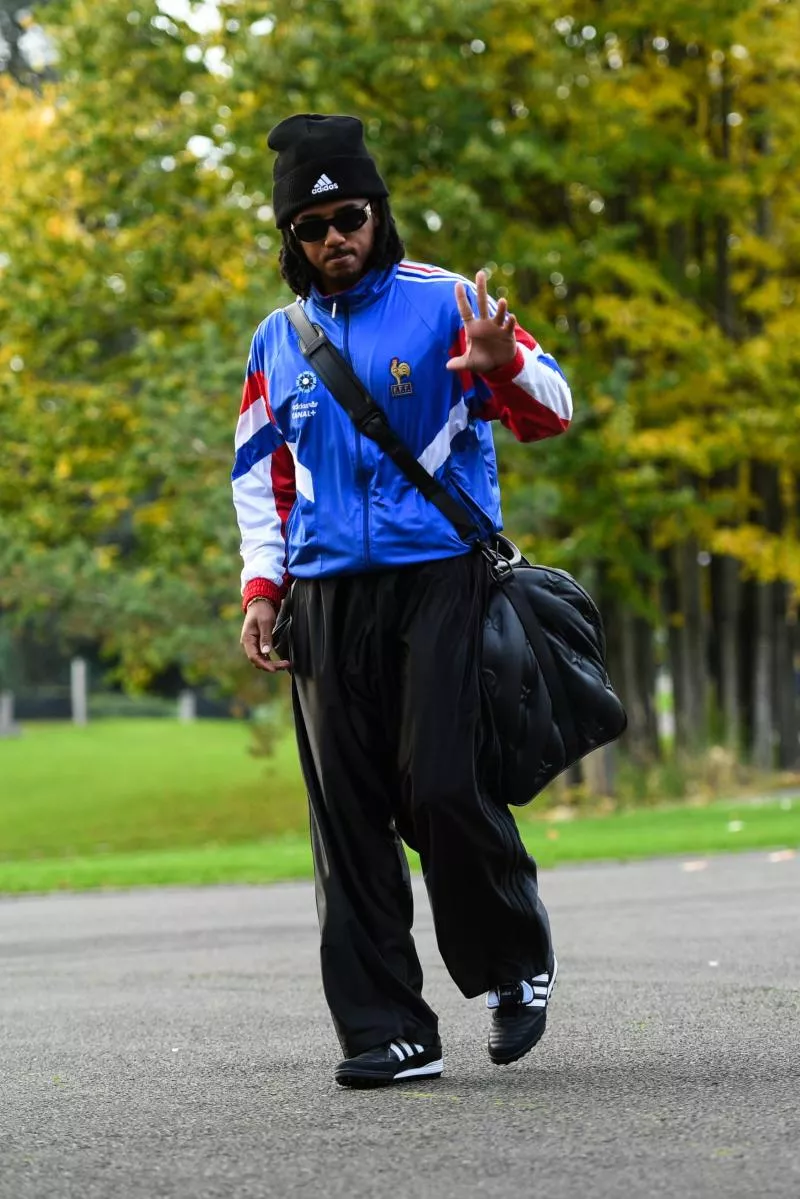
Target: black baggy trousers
x=387, y=704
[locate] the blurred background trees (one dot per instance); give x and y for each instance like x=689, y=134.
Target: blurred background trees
x=628, y=174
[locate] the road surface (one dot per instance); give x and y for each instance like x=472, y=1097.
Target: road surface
x=175, y=1043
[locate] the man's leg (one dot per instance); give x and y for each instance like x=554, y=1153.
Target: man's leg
x=490, y=923
x=370, y=969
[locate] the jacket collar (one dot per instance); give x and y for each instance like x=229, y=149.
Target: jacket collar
x=369, y=288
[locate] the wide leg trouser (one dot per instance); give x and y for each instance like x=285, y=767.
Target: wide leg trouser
x=387, y=704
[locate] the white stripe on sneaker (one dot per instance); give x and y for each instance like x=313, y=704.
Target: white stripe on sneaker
x=405, y=1045
x=397, y=1051
x=421, y=1071
x=535, y=991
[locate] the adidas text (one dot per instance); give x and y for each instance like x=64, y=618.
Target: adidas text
x=324, y=184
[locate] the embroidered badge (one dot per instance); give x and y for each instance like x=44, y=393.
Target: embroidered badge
x=401, y=372
x=306, y=381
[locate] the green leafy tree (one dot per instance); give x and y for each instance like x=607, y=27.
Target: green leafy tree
x=627, y=175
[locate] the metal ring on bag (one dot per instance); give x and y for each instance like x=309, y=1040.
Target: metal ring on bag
x=510, y=553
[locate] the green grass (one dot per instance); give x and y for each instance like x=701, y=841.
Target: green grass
x=623, y=837
x=151, y=803
x=122, y=785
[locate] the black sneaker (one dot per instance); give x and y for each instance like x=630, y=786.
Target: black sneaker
x=519, y=1016
x=396, y=1062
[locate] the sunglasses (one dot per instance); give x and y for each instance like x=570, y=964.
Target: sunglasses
x=346, y=220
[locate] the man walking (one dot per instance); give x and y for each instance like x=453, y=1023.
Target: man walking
x=388, y=604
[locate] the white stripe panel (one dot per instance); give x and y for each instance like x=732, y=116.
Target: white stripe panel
x=553, y=979
x=250, y=421
x=431, y=1068
x=418, y=1048
x=405, y=1045
x=262, y=546
x=544, y=384
x=437, y=452
x=397, y=1051
x=453, y=279
x=420, y=270
x=303, y=482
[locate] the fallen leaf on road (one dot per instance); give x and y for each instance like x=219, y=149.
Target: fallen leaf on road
x=782, y=855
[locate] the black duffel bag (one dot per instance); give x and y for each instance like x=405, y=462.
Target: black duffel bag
x=549, y=696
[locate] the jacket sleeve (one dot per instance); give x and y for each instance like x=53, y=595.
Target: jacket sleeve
x=530, y=395
x=263, y=489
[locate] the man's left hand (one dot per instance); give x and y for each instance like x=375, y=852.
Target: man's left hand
x=490, y=339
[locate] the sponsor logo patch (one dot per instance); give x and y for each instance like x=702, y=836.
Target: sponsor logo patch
x=302, y=409
x=306, y=382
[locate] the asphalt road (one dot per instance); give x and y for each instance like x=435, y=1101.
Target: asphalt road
x=176, y=1043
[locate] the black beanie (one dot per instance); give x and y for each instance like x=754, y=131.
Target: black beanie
x=320, y=158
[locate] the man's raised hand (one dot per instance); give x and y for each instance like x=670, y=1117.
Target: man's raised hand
x=490, y=339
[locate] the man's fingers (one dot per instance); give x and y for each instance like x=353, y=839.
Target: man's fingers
x=464, y=306
x=273, y=667
x=483, y=295
x=256, y=638
x=258, y=655
x=457, y=364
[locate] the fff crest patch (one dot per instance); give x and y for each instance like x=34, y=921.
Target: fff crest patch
x=306, y=382
x=401, y=373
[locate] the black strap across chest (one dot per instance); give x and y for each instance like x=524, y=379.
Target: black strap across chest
x=370, y=419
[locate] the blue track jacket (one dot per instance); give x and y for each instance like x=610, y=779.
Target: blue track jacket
x=313, y=496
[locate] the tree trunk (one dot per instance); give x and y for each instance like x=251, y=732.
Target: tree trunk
x=727, y=607
x=785, y=686
x=763, y=678
x=637, y=686
x=688, y=644
x=677, y=652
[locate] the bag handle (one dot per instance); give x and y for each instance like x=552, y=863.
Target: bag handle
x=370, y=419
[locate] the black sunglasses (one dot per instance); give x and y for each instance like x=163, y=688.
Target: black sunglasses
x=346, y=220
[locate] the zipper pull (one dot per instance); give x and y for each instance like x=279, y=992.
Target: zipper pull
x=333, y=311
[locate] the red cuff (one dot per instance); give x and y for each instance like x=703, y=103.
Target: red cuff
x=262, y=589
x=507, y=372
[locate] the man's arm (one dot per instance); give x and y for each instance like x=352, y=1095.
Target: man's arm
x=263, y=496
x=515, y=381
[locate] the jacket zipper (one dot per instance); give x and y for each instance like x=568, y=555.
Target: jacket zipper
x=360, y=471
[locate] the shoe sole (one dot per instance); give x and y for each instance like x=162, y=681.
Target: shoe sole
x=540, y=1031
x=366, y=1081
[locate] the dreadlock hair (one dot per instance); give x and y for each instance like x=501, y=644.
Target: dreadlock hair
x=386, y=251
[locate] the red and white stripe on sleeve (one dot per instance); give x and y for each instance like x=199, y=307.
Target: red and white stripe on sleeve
x=263, y=493
x=530, y=395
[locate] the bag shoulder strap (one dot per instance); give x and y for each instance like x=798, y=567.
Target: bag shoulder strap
x=370, y=419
